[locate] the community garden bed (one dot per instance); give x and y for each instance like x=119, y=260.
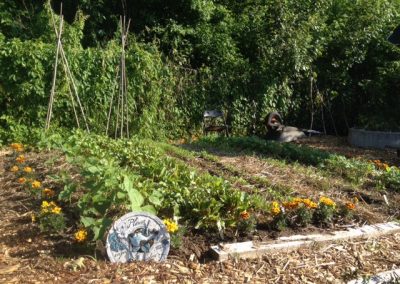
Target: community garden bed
x=62, y=195
x=215, y=192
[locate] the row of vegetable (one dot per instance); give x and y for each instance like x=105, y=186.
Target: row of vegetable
x=351, y=169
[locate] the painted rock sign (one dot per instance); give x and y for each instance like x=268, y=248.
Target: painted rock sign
x=138, y=237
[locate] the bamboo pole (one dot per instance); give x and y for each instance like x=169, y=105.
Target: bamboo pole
x=74, y=87
x=52, y=92
x=69, y=74
x=111, y=102
x=65, y=70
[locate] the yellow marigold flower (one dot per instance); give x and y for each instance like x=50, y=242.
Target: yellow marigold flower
x=36, y=184
x=275, y=209
x=50, y=207
x=14, y=169
x=244, y=215
x=20, y=159
x=22, y=180
x=17, y=147
x=310, y=204
x=45, y=206
x=56, y=210
x=48, y=192
x=171, y=225
x=350, y=206
x=81, y=235
x=327, y=201
x=28, y=169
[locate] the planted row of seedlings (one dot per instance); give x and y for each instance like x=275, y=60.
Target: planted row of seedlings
x=353, y=170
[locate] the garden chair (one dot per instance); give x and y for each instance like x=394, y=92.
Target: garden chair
x=214, y=121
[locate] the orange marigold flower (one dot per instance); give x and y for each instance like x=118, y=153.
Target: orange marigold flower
x=20, y=159
x=36, y=184
x=22, y=180
x=350, y=206
x=17, y=147
x=14, y=169
x=290, y=204
x=244, y=215
x=327, y=201
x=48, y=192
x=28, y=169
x=310, y=204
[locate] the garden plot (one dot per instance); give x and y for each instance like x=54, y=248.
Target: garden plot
x=218, y=199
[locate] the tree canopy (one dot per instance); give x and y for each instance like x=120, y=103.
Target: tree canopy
x=325, y=61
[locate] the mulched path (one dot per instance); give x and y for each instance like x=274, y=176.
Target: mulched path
x=29, y=256
x=340, y=145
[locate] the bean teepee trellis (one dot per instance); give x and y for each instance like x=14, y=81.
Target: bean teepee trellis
x=121, y=111
x=73, y=91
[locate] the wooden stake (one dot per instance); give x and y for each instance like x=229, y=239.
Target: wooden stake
x=51, y=100
x=65, y=70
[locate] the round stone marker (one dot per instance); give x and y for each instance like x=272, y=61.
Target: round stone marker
x=138, y=236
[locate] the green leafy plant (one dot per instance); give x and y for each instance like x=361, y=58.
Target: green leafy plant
x=390, y=178
x=324, y=213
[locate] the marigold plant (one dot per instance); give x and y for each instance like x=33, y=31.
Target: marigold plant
x=290, y=205
x=81, y=235
x=327, y=201
x=309, y=204
x=22, y=180
x=244, y=215
x=28, y=170
x=171, y=225
x=36, y=184
x=20, y=159
x=350, y=206
x=275, y=209
x=14, y=169
x=18, y=147
x=48, y=192
x=50, y=207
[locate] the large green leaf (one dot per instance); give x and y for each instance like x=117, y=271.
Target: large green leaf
x=100, y=227
x=135, y=198
x=88, y=221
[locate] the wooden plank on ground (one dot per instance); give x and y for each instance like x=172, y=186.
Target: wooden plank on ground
x=252, y=249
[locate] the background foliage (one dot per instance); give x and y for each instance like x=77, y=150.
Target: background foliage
x=325, y=61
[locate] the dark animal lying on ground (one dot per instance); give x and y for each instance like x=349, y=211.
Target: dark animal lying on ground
x=281, y=133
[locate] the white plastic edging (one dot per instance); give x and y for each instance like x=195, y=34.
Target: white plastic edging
x=253, y=250
x=392, y=276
